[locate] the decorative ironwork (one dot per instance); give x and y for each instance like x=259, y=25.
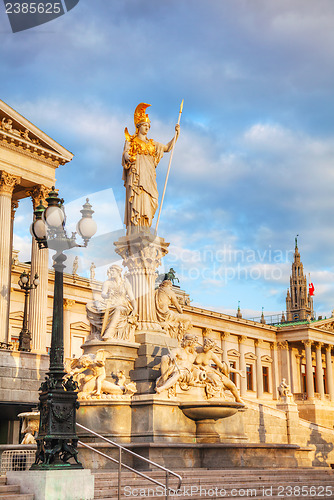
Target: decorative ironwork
x=57, y=439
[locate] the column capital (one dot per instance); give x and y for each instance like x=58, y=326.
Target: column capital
x=258, y=342
x=328, y=347
x=318, y=345
x=224, y=335
x=242, y=338
x=38, y=194
x=283, y=345
x=7, y=183
x=68, y=303
x=207, y=332
x=273, y=345
x=307, y=343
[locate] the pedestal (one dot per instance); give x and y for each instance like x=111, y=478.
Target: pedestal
x=55, y=485
x=121, y=355
x=141, y=253
x=153, y=345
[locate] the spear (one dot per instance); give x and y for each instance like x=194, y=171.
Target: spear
x=168, y=169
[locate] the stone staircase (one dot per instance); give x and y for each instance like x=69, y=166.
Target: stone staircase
x=10, y=492
x=198, y=484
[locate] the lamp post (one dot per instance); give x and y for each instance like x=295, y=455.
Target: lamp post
x=26, y=285
x=57, y=438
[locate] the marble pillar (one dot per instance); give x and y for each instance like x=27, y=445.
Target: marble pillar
x=68, y=304
x=142, y=253
x=38, y=303
x=15, y=205
x=309, y=369
x=242, y=350
x=285, y=361
x=329, y=372
x=318, y=371
x=259, y=376
x=274, y=372
x=7, y=184
x=224, y=336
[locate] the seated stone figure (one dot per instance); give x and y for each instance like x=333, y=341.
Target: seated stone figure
x=175, y=323
x=90, y=374
x=114, y=316
x=217, y=379
x=177, y=366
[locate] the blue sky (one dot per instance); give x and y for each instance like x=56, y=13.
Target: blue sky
x=254, y=163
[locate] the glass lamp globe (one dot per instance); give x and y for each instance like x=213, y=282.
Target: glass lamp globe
x=54, y=216
x=86, y=227
x=24, y=278
x=36, y=280
x=39, y=229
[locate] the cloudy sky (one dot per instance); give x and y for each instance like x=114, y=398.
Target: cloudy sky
x=254, y=163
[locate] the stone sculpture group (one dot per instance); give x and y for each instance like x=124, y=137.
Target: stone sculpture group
x=195, y=365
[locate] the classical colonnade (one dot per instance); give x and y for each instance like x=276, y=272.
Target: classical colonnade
x=285, y=361
x=39, y=262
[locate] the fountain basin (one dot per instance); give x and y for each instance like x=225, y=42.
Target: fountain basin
x=210, y=410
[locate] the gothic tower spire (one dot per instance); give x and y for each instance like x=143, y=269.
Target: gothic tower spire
x=298, y=301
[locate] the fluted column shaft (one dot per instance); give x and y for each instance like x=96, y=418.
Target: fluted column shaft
x=7, y=184
x=243, y=380
x=329, y=372
x=309, y=371
x=224, y=337
x=259, y=378
x=38, y=304
x=275, y=376
x=319, y=374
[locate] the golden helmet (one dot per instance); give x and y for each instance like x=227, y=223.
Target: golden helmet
x=140, y=116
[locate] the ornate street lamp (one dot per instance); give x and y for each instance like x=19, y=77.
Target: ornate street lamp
x=57, y=438
x=26, y=285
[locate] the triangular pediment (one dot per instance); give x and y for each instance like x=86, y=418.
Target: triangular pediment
x=251, y=356
x=233, y=352
x=325, y=325
x=80, y=326
x=266, y=359
x=15, y=129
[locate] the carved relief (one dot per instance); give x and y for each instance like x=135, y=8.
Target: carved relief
x=188, y=367
x=7, y=126
x=90, y=374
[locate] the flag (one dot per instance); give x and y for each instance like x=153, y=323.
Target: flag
x=311, y=289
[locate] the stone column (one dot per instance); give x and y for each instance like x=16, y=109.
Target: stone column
x=224, y=336
x=15, y=205
x=242, y=350
x=309, y=371
x=329, y=372
x=275, y=376
x=141, y=253
x=299, y=358
x=319, y=374
x=7, y=184
x=285, y=361
x=259, y=377
x=68, y=304
x=38, y=303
